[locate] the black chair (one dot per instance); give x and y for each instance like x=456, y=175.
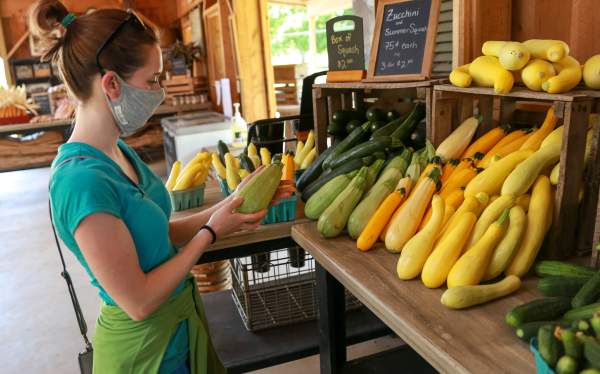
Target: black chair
x=269, y=132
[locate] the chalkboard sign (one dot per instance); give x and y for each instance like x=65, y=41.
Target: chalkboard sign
x=345, y=49
x=43, y=102
x=404, y=40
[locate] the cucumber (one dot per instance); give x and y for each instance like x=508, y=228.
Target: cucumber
x=223, y=150
x=528, y=330
x=591, y=351
x=560, y=286
x=350, y=141
x=334, y=218
x=408, y=126
x=246, y=163
x=313, y=171
x=589, y=293
x=583, y=326
x=548, y=308
x=571, y=343
x=566, y=365
x=549, y=268
x=361, y=150
x=321, y=199
x=549, y=347
x=585, y=312
x=326, y=177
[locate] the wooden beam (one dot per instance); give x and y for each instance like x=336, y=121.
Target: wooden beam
x=18, y=44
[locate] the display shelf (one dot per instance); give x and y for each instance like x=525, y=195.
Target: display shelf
x=174, y=109
x=474, y=340
x=330, y=97
x=451, y=105
x=32, y=127
x=241, y=350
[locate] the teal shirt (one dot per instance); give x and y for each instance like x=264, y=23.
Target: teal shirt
x=82, y=187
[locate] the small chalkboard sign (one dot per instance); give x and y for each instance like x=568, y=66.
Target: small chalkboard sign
x=404, y=40
x=345, y=49
x=42, y=100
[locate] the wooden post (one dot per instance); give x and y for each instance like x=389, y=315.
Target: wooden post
x=486, y=111
x=507, y=109
x=441, y=122
x=561, y=237
x=589, y=220
x=320, y=119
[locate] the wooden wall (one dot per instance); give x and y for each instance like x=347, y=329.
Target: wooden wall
x=573, y=21
x=13, y=16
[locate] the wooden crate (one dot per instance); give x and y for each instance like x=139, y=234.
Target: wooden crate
x=451, y=105
x=330, y=97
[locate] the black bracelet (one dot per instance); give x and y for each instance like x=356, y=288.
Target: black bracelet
x=212, y=232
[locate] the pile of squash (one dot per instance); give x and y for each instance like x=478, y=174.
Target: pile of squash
x=540, y=64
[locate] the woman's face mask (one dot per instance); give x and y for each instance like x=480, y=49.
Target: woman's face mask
x=134, y=107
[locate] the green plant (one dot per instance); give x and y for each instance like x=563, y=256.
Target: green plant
x=189, y=52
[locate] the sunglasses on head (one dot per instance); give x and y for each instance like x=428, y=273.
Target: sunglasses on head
x=132, y=18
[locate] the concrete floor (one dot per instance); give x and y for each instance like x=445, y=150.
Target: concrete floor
x=37, y=324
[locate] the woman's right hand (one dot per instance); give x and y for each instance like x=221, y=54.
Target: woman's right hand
x=225, y=221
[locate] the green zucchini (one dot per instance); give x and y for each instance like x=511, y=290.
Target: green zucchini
x=414, y=168
x=589, y=293
x=566, y=365
x=321, y=199
x=595, y=322
x=354, y=138
x=246, y=163
x=313, y=171
x=560, y=286
x=549, y=268
x=327, y=176
x=373, y=172
x=388, y=129
x=333, y=220
x=591, y=351
x=364, y=210
x=223, y=150
x=528, y=330
x=582, y=325
x=407, y=127
x=585, y=312
x=361, y=150
x=571, y=343
x=590, y=371
x=549, y=347
x=400, y=162
x=548, y=308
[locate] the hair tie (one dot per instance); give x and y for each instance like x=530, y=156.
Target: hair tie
x=67, y=20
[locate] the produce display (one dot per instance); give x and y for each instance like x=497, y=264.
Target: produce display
x=541, y=65
x=193, y=174
x=471, y=211
x=566, y=321
x=13, y=103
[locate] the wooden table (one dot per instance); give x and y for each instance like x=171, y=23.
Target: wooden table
x=21, y=128
x=244, y=243
x=453, y=341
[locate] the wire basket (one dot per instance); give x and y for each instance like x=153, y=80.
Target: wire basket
x=277, y=288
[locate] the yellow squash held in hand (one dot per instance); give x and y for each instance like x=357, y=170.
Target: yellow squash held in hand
x=447, y=250
x=538, y=218
x=471, y=267
x=405, y=223
x=417, y=249
x=507, y=248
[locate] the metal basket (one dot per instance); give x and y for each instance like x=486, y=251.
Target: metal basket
x=277, y=288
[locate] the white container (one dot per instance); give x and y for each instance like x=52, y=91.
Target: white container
x=188, y=134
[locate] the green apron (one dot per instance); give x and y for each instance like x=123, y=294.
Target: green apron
x=125, y=346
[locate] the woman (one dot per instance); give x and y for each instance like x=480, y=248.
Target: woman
x=111, y=210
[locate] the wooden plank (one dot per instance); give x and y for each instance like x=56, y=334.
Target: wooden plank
x=585, y=28
x=20, y=127
x=562, y=233
x=587, y=210
x=517, y=92
x=415, y=313
x=440, y=125
x=320, y=118
x=377, y=85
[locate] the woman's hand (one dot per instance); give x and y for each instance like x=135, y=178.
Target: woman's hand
x=286, y=188
x=225, y=221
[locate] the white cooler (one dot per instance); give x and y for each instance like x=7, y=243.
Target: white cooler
x=188, y=134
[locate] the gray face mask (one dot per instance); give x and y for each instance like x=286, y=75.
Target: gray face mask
x=134, y=107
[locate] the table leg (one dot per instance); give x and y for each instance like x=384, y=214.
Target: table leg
x=332, y=322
